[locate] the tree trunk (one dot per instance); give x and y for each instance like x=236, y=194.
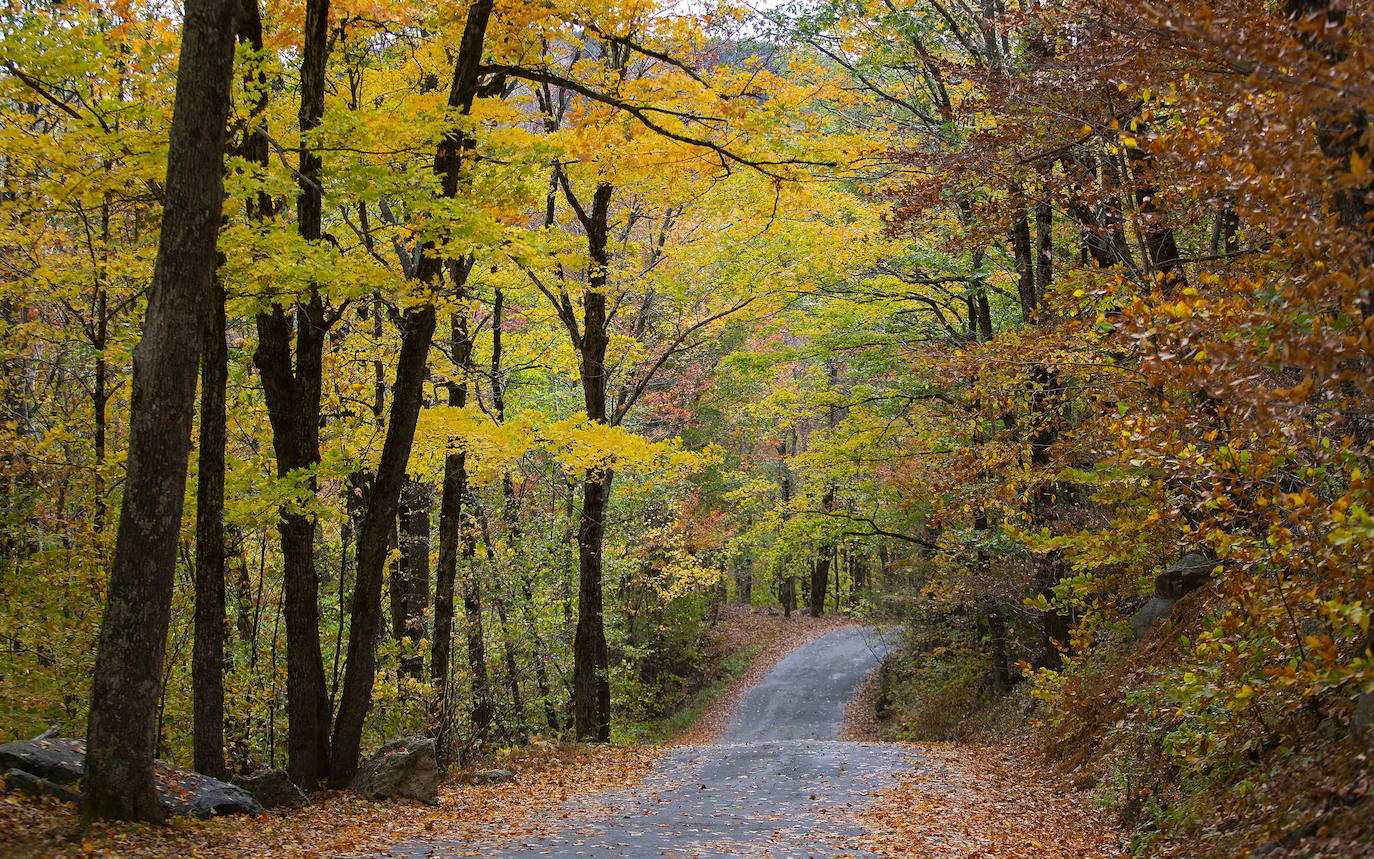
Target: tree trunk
x=820, y=578
x=355, y=698
x=591, y=683
x=410, y=594
x=1024, y=258
x=207, y=657
x=122, y=727
x=292, y=393
x=482, y=707
x=411, y=371
x=452, y=542
x=1044, y=237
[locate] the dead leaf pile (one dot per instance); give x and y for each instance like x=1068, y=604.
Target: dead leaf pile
x=341, y=823
x=986, y=802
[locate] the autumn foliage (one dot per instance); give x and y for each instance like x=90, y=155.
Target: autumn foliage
x=973, y=316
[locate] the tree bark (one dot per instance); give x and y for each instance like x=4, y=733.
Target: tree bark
x=591, y=683
x=451, y=544
x=122, y=726
x=207, y=658
x=355, y=698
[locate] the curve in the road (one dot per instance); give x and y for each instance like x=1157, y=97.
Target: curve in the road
x=779, y=785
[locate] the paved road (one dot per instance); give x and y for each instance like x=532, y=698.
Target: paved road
x=780, y=784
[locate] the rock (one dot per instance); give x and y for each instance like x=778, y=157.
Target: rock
x=61, y=760
x=272, y=788
x=38, y=786
x=493, y=776
x=1152, y=611
x=1184, y=576
x=405, y=768
x=1362, y=722
x=196, y=795
x=47, y=764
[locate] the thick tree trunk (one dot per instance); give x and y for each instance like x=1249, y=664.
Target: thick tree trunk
x=207, y=656
x=122, y=727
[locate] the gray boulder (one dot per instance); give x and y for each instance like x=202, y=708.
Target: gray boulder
x=272, y=788
x=1184, y=576
x=60, y=760
x=405, y=768
x=38, y=786
x=195, y=795
x=53, y=767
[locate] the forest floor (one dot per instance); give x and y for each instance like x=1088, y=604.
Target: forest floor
x=779, y=797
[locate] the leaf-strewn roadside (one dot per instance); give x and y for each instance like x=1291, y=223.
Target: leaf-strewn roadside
x=340, y=823
x=985, y=801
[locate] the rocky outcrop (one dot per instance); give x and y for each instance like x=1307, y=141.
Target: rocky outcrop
x=1184, y=576
x=406, y=768
x=55, y=767
x=272, y=788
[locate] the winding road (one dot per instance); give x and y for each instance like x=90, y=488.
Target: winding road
x=779, y=783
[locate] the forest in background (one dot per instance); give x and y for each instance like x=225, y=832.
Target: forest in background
x=543, y=330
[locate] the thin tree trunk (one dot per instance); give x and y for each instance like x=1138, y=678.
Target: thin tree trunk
x=292, y=392
x=207, y=659
x=410, y=594
x=355, y=697
x=122, y=726
x=411, y=371
x=451, y=516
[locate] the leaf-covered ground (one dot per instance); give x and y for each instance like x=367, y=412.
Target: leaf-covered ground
x=987, y=802
x=341, y=823
x=962, y=801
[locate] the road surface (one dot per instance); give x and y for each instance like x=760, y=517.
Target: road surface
x=779, y=783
